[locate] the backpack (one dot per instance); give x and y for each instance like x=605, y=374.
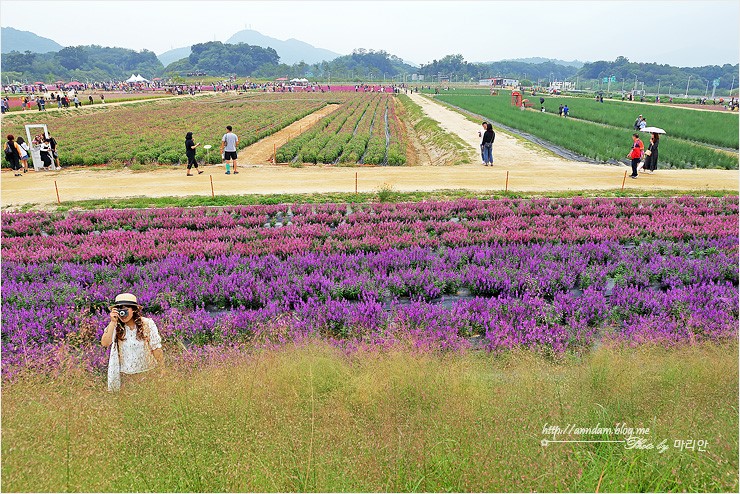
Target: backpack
x=10, y=151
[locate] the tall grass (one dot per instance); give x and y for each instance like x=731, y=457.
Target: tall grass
x=588, y=139
x=309, y=418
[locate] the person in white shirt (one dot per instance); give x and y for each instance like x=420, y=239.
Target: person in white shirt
x=229, y=144
x=136, y=346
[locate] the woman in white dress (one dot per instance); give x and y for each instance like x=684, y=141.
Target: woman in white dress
x=136, y=346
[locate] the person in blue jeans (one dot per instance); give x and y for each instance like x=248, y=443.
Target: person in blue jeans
x=486, y=144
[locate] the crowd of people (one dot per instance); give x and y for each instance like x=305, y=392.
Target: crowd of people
x=17, y=152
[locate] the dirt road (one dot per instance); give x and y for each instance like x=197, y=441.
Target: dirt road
x=529, y=170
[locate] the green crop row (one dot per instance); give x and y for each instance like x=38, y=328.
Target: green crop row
x=375, y=151
x=357, y=134
x=599, y=142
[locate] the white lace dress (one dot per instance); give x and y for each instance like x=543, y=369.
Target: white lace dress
x=136, y=355
x=133, y=356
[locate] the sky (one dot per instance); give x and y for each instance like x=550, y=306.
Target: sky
x=681, y=33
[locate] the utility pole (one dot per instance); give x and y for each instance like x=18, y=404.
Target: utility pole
x=732, y=86
x=635, y=88
x=707, y=89
x=622, y=85
x=687, y=87
x=658, y=87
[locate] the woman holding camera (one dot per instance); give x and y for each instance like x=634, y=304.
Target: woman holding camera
x=136, y=346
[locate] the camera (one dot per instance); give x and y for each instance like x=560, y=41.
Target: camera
x=122, y=312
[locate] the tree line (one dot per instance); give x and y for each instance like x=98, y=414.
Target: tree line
x=243, y=60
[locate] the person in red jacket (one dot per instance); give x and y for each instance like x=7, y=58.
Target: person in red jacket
x=638, y=148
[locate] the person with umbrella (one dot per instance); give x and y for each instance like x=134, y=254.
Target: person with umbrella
x=651, y=155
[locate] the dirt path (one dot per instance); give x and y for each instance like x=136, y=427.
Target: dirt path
x=261, y=151
x=99, y=105
x=530, y=170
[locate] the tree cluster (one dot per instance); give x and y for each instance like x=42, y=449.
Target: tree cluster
x=216, y=58
x=650, y=73
x=80, y=62
x=456, y=66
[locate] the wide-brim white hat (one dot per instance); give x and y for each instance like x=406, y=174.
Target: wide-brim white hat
x=126, y=299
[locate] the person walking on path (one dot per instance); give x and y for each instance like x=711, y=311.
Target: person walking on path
x=13, y=153
x=560, y=111
x=25, y=149
x=190, y=146
x=651, y=155
x=136, y=346
x=486, y=144
x=229, y=143
x=565, y=111
x=637, y=122
x=636, y=153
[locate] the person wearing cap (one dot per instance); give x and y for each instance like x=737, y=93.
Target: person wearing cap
x=136, y=346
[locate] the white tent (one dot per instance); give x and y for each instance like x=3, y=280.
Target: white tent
x=131, y=79
x=140, y=79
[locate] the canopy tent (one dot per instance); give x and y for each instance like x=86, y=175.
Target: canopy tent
x=299, y=80
x=136, y=78
x=75, y=83
x=281, y=79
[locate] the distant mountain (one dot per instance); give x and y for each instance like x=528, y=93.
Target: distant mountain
x=14, y=40
x=290, y=51
x=173, y=55
x=575, y=63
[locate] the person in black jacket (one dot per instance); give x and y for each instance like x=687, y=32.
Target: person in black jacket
x=486, y=144
x=190, y=146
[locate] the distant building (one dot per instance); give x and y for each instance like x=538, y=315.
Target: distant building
x=499, y=82
x=562, y=85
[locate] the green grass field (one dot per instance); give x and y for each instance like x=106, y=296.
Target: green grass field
x=599, y=142
x=312, y=419
x=719, y=129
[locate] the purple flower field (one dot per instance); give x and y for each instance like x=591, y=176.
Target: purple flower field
x=551, y=275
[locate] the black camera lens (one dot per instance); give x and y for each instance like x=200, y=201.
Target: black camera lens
x=122, y=312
